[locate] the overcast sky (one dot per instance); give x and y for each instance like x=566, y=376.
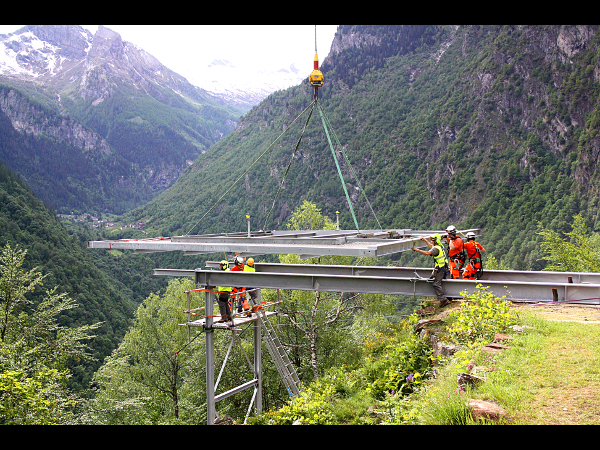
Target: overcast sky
x=190, y=48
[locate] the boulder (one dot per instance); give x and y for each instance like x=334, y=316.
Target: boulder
x=441, y=349
x=502, y=337
x=481, y=409
x=223, y=420
x=494, y=348
x=425, y=311
x=464, y=378
x=425, y=322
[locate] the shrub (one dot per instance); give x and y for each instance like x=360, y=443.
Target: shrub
x=480, y=317
x=311, y=407
x=401, y=370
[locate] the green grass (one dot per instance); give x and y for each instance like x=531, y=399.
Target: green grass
x=550, y=375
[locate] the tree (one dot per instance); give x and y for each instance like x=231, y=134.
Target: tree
x=140, y=382
x=579, y=252
x=14, y=284
x=34, y=348
x=308, y=217
x=317, y=314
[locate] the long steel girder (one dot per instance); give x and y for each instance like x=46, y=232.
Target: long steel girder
x=515, y=285
x=307, y=244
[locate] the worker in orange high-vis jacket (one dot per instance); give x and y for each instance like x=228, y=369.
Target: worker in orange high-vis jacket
x=456, y=254
x=474, y=269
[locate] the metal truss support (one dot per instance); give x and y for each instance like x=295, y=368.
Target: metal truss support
x=211, y=386
x=211, y=413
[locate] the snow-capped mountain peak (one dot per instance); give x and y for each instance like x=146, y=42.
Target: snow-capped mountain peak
x=58, y=53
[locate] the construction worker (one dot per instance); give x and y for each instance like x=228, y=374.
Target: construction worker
x=474, y=268
x=440, y=265
x=456, y=254
x=249, y=267
x=223, y=298
x=240, y=292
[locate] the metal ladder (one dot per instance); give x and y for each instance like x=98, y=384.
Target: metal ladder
x=279, y=354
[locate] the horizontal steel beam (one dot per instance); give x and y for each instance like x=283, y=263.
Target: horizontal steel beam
x=423, y=272
x=322, y=280
x=355, y=248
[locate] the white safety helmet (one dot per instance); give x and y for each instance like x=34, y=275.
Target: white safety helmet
x=239, y=260
x=451, y=229
x=470, y=235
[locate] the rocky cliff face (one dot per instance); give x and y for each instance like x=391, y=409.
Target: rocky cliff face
x=26, y=118
x=533, y=86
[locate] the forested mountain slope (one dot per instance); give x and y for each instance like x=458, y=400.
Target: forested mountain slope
x=94, y=123
x=26, y=222
x=479, y=126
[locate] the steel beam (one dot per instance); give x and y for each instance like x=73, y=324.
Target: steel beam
x=423, y=272
x=542, y=286
x=236, y=389
x=211, y=412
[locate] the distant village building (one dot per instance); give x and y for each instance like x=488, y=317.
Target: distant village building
x=100, y=223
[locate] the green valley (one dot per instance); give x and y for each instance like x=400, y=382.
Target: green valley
x=478, y=126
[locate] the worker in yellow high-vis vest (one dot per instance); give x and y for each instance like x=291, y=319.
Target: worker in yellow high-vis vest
x=436, y=251
x=223, y=298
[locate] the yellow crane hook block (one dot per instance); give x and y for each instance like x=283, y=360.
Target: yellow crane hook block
x=316, y=78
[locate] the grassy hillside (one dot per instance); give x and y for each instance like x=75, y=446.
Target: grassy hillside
x=544, y=373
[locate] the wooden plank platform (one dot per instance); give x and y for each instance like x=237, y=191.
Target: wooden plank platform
x=238, y=320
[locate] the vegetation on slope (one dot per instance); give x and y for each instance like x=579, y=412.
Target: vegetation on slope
x=494, y=134
x=64, y=261
x=548, y=375
x=387, y=375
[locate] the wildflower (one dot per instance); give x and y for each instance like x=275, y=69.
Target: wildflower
x=410, y=377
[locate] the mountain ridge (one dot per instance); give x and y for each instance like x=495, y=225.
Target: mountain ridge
x=154, y=121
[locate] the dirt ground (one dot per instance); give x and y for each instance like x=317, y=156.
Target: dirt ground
x=568, y=312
